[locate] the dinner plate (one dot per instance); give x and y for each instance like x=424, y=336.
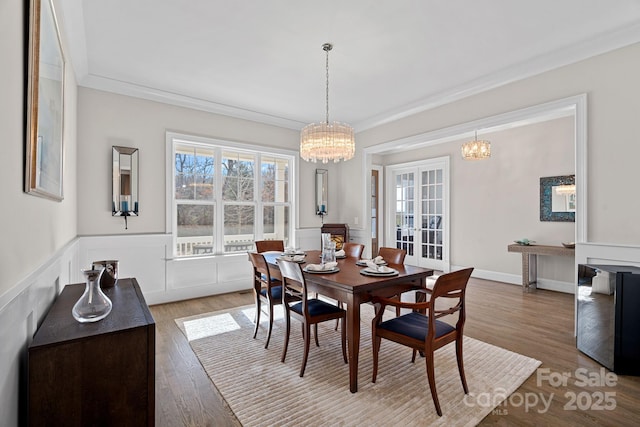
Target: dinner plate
x=368, y=272
x=293, y=253
x=333, y=270
x=286, y=258
x=337, y=256
x=364, y=263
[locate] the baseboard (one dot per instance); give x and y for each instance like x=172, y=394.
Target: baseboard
x=515, y=279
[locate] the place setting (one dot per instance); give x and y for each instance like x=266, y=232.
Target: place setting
x=377, y=261
x=325, y=268
x=295, y=255
x=374, y=269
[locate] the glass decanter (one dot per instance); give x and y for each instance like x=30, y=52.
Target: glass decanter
x=93, y=305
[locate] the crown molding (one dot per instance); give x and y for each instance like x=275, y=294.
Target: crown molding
x=597, y=45
x=153, y=94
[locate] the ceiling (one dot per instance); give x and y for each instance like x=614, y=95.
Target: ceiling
x=263, y=60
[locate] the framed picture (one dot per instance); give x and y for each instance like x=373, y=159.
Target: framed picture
x=45, y=101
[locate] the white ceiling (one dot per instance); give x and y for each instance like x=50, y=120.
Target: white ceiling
x=263, y=60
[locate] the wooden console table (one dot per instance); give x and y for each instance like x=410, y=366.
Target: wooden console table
x=530, y=260
x=94, y=374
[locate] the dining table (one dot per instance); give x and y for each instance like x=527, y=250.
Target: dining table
x=353, y=288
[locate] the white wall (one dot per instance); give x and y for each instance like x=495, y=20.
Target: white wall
x=38, y=235
x=611, y=85
x=496, y=201
x=106, y=119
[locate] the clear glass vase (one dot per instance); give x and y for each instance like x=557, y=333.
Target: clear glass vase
x=93, y=305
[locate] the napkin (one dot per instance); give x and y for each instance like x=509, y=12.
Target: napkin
x=322, y=267
x=376, y=261
x=295, y=258
x=372, y=266
x=341, y=252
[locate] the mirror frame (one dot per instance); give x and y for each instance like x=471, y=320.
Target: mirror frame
x=322, y=192
x=546, y=189
x=122, y=207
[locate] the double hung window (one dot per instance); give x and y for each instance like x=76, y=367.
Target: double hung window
x=226, y=196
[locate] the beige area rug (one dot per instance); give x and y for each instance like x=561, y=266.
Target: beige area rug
x=262, y=391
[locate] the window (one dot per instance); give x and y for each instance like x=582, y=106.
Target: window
x=226, y=196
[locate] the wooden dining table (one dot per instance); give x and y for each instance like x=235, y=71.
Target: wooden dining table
x=353, y=288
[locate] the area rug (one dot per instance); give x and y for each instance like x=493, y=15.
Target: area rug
x=262, y=391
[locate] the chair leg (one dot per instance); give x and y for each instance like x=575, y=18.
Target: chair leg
x=315, y=333
x=461, y=364
x=266, y=344
x=307, y=343
x=257, y=317
x=287, y=322
x=432, y=382
x=339, y=304
x=376, y=350
x=343, y=332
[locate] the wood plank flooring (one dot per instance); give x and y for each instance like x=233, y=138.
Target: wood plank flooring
x=538, y=324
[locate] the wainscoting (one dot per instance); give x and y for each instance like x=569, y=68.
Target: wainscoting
x=165, y=279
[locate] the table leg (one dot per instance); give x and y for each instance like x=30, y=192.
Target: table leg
x=353, y=339
x=529, y=272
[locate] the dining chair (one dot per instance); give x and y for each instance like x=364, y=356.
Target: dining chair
x=426, y=332
x=269, y=245
x=353, y=250
x=266, y=289
x=393, y=256
x=309, y=311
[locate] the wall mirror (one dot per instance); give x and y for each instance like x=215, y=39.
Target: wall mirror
x=322, y=189
x=124, y=191
x=558, y=198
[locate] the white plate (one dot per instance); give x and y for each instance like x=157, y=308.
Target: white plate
x=286, y=258
x=333, y=270
x=364, y=263
x=337, y=256
x=368, y=272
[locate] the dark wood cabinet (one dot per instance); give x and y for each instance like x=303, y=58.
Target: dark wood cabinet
x=94, y=374
x=339, y=233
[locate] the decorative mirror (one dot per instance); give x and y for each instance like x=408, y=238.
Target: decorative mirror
x=322, y=189
x=124, y=191
x=558, y=198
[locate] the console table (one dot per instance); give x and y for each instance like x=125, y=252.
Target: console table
x=90, y=374
x=530, y=260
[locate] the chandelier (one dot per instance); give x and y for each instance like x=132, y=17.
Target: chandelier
x=327, y=141
x=476, y=150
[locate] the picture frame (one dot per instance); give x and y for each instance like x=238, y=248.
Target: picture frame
x=566, y=211
x=44, y=145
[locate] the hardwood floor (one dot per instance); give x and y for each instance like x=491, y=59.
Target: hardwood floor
x=538, y=324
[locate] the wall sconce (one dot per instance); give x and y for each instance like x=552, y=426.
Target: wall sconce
x=124, y=188
x=322, y=189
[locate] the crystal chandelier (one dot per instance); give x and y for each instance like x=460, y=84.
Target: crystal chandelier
x=327, y=141
x=476, y=150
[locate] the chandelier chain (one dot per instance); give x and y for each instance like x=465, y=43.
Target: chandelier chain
x=327, y=47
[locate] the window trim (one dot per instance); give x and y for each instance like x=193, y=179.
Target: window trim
x=173, y=138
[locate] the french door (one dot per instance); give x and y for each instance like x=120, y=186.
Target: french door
x=419, y=208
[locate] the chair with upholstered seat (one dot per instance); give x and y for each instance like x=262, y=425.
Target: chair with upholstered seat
x=392, y=255
x=266, y=290
x=309, y=311
x=426, y=333
x=353, y=250
x=269, y=245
